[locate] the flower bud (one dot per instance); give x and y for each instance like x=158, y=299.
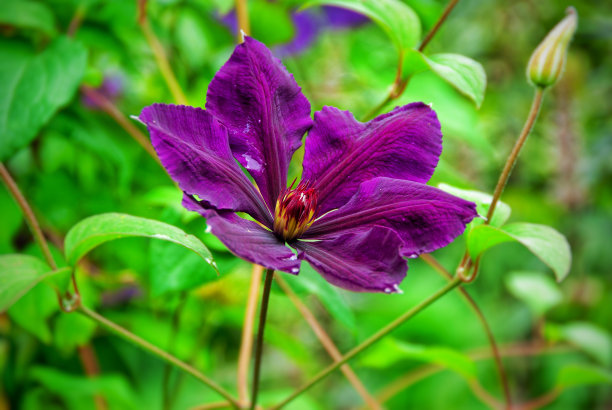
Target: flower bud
x=548, y=60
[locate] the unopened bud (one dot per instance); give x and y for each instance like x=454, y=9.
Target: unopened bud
x=548, y=60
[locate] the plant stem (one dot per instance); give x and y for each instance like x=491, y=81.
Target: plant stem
x=371, y=340
x=242, y=14
x=328, y=344
x=108, y=107
x=447, y=10
x=160, y=55
x=503, y=379
x=28, y=215
x=246, y=344
x=263, y=313
x=503, y=178
x=124, y=333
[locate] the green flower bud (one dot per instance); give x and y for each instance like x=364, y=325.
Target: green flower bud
x=548, y=60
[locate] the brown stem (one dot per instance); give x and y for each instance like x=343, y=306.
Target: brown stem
x=327, y=343
x=90, y=364
x=76, y=20
x=447, y=10
x=108, y=107
x=160, y=55
x=246, y=344
x=263, y=313
x=503, y=178
x=28, y=215
x=503, y=378
x=242, y=14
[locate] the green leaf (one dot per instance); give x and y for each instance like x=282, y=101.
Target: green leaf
x=482, y=201
x=543, y=241
x=464, y=74
x=580, y=375
x=538, y=291
x=78, y=388
x=33, y=309
x=174, y=268
x=72, y=330
x=28, y=15
x=19, y=274
x=397, y=19
x=34, y=87
x=390, y=351
x=592, y=339
x=96, y=230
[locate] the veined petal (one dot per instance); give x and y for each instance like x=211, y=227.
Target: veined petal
x=265, y=112
x=248, y=240
x=342, y=152
x=361, y=261
x=194, y=149
x=425, y=218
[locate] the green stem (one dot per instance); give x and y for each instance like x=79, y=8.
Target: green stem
x=124, y=333
x=371, y=340
x=511, y=161
x=263, y=313
x=28, y=215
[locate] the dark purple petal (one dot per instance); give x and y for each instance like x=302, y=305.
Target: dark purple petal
x=342, y=152
x=265, y=112
x=425, y=218
x=248, y=240
x=361, y=261
x=194, y=148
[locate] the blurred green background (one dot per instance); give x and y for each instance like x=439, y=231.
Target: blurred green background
x=82, y=162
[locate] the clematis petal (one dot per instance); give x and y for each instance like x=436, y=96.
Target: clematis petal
x=265, y=112
x=361, y=261
x=425, y=218
x=248, y=240
x=342, y=152
x=194, y=148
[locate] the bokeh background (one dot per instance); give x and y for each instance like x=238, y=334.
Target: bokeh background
x=82, y=162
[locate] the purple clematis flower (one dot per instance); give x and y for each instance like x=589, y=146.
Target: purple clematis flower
x=362, y=205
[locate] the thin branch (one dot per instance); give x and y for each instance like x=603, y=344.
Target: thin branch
x=503, y=378
x=160, y=55
x=124, y=333
x=327, y=343
x=28, y=215
x=447, y=10
x=263, y=314
x=108, y=107
x=89, y=361
x=516, y=350
x=370, y=341
x=246, y=344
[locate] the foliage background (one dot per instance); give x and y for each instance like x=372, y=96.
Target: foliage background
x=82, y=163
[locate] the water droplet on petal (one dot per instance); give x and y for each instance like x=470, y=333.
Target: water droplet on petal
x=387, y=290
x=413, y=255
x=295, y=270
x=208, y=229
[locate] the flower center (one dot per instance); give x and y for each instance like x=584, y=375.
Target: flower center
x=295, y=210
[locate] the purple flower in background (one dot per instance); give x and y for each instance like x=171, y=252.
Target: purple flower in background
x=308, y=25
x=362, y=205
x=111, y=88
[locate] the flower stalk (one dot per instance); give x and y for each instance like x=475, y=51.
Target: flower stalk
x=263, y=313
